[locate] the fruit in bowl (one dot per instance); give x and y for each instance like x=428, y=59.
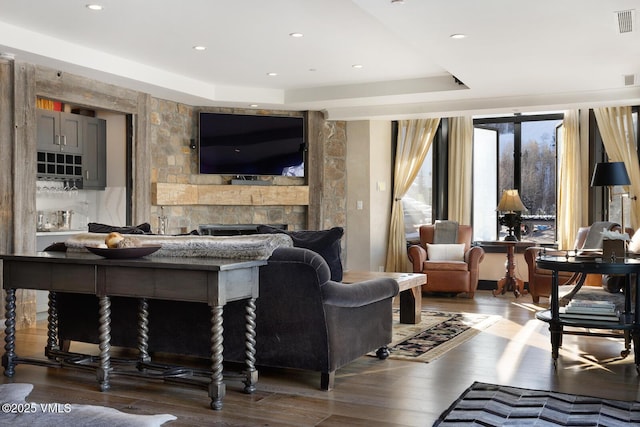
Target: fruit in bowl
x=116, y=240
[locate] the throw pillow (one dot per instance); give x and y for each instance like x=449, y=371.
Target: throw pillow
x=445, y=252
x=325, y=243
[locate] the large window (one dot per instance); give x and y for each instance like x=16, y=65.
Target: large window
x=516, y=152
x=417, y=202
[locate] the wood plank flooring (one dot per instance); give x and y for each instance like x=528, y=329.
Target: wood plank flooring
x=515, y=351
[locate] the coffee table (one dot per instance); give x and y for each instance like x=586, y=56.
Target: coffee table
x=410, y=285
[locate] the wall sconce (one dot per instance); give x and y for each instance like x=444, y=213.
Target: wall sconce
x=511, y=205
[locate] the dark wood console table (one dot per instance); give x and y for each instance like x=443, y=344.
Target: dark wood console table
x=629, y=320
x=212, y=281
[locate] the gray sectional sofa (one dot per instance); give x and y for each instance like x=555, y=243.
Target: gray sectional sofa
x=304, y=320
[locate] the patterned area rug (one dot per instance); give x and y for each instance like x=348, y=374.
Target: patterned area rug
x=493, y=405
x=17, y=412
x=437, y=333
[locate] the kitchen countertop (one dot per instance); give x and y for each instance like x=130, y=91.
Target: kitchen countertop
x=59, y=232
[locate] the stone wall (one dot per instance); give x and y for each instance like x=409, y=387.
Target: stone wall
x=173, y=125
x=334, y=163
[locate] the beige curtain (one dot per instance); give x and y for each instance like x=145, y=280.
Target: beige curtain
x=460, y=169
x=616, y=127
x=573, y=182
x=414, y=140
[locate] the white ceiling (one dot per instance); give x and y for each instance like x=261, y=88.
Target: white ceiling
x=518, y=56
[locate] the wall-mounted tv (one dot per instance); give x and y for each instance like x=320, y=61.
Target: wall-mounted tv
x=243, y=144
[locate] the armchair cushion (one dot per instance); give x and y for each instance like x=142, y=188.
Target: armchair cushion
x=326, y=243
x=445, y=266
x=445, y=252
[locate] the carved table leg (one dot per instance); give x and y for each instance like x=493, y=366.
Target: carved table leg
x=216, y=387
x=10, y=333
x=52, y=325
x=250, y=340
x=143, y=330
x=104, y=338
x=636, y=348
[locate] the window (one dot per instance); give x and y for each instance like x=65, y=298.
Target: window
x=516, y=152
x=417, y=202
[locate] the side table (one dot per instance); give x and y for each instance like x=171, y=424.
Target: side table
x=510, y=281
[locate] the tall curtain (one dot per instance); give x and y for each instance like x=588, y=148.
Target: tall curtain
x=573, y=176
x=414, y=140
x=460, y=169
x=618, y=137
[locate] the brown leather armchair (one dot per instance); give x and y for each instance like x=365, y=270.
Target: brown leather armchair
x=540, y=279
x=444, y=275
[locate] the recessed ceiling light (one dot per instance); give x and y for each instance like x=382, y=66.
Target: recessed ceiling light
x=357, y=66
x=296, y=35
x=253, y=105
x=94, y=7
x=458, y=36
x=272, y=74
x=199, y=48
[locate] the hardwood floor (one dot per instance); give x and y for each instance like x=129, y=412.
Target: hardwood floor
x=515, y=351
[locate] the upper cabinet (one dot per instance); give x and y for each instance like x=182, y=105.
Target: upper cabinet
x=59, y=132
x=73, y=147
x=94, y=154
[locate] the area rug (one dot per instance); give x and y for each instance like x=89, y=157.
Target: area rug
x=494, y=405
x=17, y=412
x=437, y=333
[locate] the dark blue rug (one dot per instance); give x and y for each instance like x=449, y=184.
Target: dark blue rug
x=494, y=405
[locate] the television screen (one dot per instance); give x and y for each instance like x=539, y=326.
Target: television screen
x=237, y=144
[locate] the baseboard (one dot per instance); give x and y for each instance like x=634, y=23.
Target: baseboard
x=490, y=285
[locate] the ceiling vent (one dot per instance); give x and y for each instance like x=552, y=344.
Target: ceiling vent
x=625, y=20
x=629, y=79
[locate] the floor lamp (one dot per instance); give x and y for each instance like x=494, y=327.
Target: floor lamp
x=611, y=174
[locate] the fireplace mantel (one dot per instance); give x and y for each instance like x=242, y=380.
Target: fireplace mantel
x=171, y=194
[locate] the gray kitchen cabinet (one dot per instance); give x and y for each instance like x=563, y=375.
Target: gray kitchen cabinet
x=94, y=157
x=59, y=132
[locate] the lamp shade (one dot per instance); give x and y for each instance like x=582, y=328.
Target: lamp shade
x=510, y=202
x=609, y=174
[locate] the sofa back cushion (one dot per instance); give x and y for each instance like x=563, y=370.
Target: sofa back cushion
x=96, y=227
x=326, y=243
x=427, y=235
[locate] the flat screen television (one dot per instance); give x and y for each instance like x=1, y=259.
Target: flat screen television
x=242, y=144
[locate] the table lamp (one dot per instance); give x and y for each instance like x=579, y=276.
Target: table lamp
x=611, y=174
x=511, y=205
